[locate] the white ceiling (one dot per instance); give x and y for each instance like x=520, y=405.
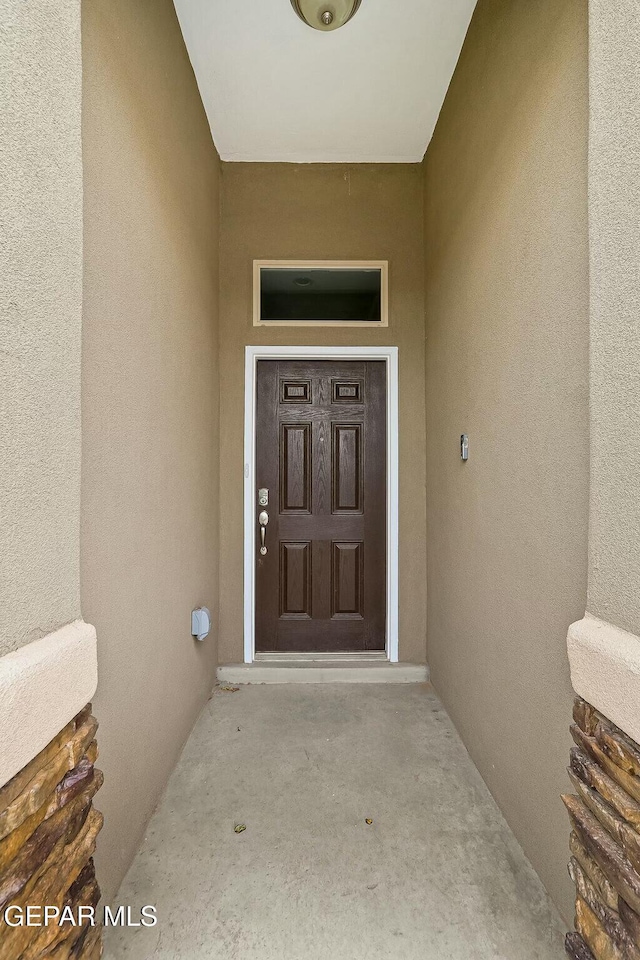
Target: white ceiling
x=276, y=90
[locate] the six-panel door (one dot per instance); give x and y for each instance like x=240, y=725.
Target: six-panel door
x=321, y=454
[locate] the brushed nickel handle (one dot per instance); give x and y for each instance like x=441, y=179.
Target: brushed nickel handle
x=263, y=520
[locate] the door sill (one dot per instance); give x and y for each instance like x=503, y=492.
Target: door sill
x=322, y=671
x=365, y=656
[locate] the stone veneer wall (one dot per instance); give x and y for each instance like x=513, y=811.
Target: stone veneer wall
x=48, y=830
x=605, y=841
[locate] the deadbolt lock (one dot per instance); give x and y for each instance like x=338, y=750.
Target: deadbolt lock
x=263, y=497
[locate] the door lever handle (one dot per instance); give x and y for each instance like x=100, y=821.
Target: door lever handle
x=263, y=520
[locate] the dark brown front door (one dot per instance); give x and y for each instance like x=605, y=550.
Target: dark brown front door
x=321, y=455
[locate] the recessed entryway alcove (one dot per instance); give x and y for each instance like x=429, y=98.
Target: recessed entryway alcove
x=331, y=216
x=489, y=302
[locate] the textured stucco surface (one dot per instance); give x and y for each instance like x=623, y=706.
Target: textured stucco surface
x=614, y=214
x=507, y=362
x=605, y=670
x=323, y=212
x=43, y=685
x=150, y=383
x=40, y=317
x=604, y=647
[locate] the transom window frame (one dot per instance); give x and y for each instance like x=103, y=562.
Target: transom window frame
x=382, y=265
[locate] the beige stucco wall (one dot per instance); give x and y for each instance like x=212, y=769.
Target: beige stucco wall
x=604, y=647
x=150, y=387
x=317, y=212
x=614, y=204
x=40, y=318
x=507, y=363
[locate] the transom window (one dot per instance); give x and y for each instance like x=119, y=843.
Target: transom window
x=320, y=293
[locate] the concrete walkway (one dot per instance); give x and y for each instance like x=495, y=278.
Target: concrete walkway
x=436, y=876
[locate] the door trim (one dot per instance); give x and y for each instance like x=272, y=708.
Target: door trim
x=390, y=356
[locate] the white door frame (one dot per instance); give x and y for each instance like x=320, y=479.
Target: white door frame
x=390, y=356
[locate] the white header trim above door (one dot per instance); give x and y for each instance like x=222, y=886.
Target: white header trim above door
x=252, y=355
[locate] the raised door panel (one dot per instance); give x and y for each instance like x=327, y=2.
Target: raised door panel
x=295, y=580
x=347, y=473
x=295, y=391
x=295, y=468
x=347, y=391
x=347, y=576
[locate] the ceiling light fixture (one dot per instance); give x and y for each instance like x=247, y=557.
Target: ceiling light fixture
x=326, y=14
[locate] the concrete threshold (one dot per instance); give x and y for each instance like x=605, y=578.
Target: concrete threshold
x=322, y=671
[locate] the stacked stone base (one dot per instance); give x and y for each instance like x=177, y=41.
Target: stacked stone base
x=48, y=830
x=605, y=840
